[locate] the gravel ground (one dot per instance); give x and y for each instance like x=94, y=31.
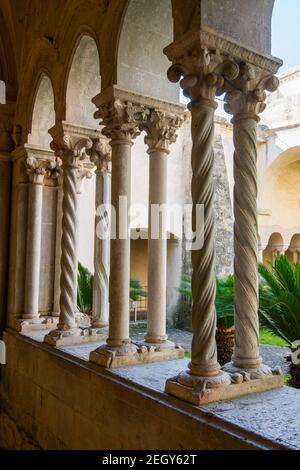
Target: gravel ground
x=272, y=355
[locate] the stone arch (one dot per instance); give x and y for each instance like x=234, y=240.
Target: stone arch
x=8, y=70
x=142, y=67
x=274, y=247
x=84, y=82
x=279, y=189
x=293, y=251
x=43, y=115
x=42, y=61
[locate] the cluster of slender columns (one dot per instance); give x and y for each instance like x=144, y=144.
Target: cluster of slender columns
x=123, y=121
x=202, y=76
x=37, y=169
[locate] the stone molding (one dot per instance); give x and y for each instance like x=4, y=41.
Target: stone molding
x=126, y=114
x=209, y=39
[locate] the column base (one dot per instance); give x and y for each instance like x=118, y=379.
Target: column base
x=24, y=325
x=224, y=386
x=135, y=353
x=76, y=336
x=249, y=373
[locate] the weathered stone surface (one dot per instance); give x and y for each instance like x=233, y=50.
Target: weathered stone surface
x=58, y=387
x=12, y=437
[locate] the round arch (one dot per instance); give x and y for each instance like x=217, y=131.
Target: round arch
x=279, y=189
x=274, y=247
x=293, y=251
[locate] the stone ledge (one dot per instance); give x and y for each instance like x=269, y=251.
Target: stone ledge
x=86, y=335
x=264, y=421
x=234, y=390
x=42, y=323
x=111, y=358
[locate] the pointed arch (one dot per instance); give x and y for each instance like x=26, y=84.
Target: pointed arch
x=84, y=82
x=43, y=115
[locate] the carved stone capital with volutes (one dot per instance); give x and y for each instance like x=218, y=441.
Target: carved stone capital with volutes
x=161, y=129
x=121, y=119
x=100, y=155
x=70, y=149
x=37, y=169
x=246, y=94
x=203, y=73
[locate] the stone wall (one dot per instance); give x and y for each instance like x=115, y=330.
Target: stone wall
x=223, y=205
x=65, y=403
x=12, y=437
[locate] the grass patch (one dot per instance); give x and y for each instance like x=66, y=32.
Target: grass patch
x=187, y=354
x=286, y=378
x=266, y=337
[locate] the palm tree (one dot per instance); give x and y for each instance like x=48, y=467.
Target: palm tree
x=225, y=318
x=85, y=281
x=279, y=308
x=135, y=290
x=225, y=313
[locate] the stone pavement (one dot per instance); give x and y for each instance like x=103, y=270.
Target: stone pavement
x=272, y=355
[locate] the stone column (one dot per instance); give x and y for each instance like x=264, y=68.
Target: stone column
x=71, y=150
x=245, y=99
x=202, y=76
x=56, y=296
x=161, y=130
x=101, y=156
x=36, y=170
x=121, y=120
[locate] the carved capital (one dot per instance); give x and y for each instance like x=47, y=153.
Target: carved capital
x=70, y=149
x=161, y=128
x=36, y=169
x=202, y=73
x=245, y=96
x=82, y=172
x=121, y=119
x=100, y=155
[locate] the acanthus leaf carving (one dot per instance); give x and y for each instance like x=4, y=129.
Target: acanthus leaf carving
x=161, y=129
x=100, y=155
x=70, y=149
x=121, y=119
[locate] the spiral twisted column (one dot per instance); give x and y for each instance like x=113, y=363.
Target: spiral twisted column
x=101, y=156
x=68, y=277
x=204, y=352
x=71, y=149
x=202, y=77
x=246, y=352
x=245, y=100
